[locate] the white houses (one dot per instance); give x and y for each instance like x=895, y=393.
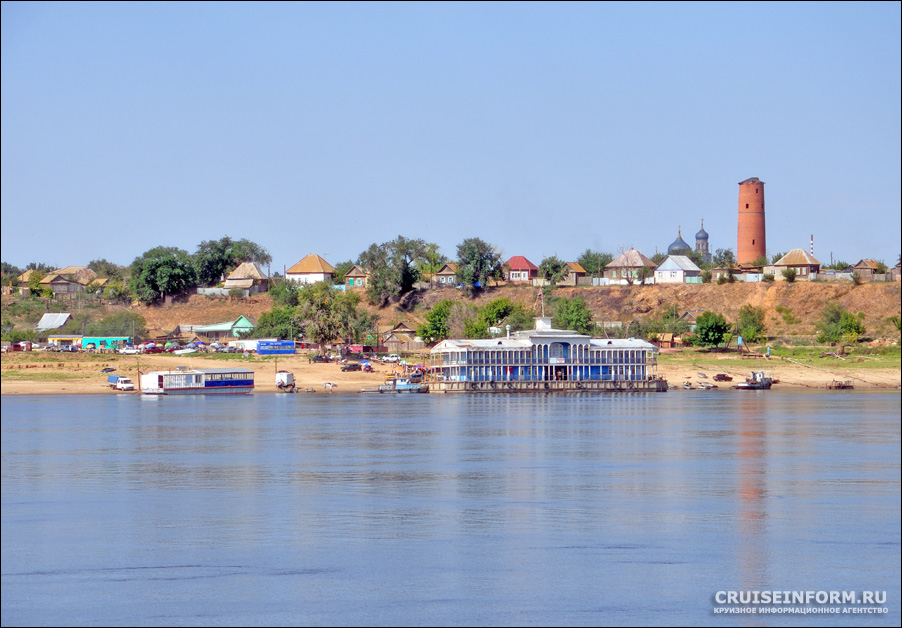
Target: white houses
x=677, y=269
x=311, y=269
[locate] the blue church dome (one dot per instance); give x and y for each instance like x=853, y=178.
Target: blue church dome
x=678, y=245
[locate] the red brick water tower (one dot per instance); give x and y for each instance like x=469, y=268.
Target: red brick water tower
x=750, y=243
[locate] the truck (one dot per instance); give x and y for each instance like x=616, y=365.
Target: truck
x=120, y=382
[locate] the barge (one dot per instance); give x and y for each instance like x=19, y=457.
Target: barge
x=198, y=382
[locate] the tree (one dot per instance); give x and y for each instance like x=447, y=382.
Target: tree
x=391, y=268
x=40, y=266
x=710, y=328
x=431, y=260
x=10, y=274
x=644, y=272
x=122, y=323
x=594, y=262
x=34, y=281
x=751, y=323
x=496, y=313
x=436, y=327
x=477, y=262
x=284, y=293
x=724, y=257
x=280, y=322
x=837, y=324
x=214, y=258
x=103, y=268
x=789, y=274
x=115, y=290
x=574, y=314
x=553, y=269
x=328, y=314
x=761, y=261
x=161, y=271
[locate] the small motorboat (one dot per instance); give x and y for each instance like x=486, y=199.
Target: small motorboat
x=759, y=380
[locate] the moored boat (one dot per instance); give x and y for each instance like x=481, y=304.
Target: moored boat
x=759, y=380
x=399, y=385
x=198, y=382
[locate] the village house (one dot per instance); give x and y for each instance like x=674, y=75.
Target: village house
x=690, y=317
x=400, y=337
x=311, y=269
x=867, y=269
x=248, y=276
x=225, y=331
x=625, y=269
x=574, y=272
x=446, y=277
x=520, y=270
x=356, y=278
x=800, y=260
x=721, y=271
x=63, y=286
x=677, y=269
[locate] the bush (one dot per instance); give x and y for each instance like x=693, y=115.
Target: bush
x=790, y=274
x=838, y=325
x=767, y=278
x=710, y=328
x=751, y=323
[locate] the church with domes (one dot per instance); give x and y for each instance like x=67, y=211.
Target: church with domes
x=680, y=246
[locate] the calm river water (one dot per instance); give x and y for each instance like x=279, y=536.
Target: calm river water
x=505, y=510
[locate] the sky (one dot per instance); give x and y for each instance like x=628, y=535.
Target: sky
x=544, y=129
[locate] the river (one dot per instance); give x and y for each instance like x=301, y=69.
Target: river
x=314, y=509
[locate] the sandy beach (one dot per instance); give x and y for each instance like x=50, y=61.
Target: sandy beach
x=24, y=374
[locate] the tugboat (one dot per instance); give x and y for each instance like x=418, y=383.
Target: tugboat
x=759, y=380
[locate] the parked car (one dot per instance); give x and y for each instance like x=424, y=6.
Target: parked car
x=153, y=349
x=129, y=350
x=320, y=358
x=721, y=377
x=355, y=366
x=392, y=357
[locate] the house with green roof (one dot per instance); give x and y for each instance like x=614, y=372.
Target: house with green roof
x=231, y=329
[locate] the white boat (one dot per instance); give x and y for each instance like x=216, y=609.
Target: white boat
x=759, y=380
x=198, y=382
x=399, y=385
x=184, y=351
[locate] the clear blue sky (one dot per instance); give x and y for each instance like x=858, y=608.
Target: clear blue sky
x=541, y=128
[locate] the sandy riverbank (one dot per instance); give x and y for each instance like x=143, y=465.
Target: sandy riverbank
x=22, y=374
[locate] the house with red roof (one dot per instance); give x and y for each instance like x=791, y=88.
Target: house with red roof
x=520, y=269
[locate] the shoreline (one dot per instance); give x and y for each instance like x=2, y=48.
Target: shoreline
x=80, y=374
